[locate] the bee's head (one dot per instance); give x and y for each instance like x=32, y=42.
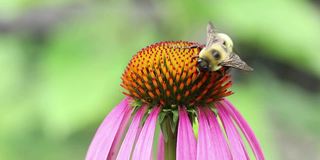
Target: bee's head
x=211, y=58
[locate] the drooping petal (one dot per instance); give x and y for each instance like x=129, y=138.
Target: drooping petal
x=143, y=148
x=204, y=145
x=104, y=137
x=117, y=140
x=160, y=154
x=186, y=141
x=220, y=145
x=133, y=131
x=245, y=128
x=236, y=144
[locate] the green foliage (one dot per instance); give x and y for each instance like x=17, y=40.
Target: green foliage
x=57, y=84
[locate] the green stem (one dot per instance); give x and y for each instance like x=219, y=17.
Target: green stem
x=170, y=140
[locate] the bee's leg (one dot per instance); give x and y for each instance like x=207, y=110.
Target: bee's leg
x=228, y=69
x=220, y=72
x=223, y=73
x=199, y=72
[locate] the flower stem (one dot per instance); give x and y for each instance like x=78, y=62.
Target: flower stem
x=170, y=140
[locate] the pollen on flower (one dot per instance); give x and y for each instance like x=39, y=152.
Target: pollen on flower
x=166, y=73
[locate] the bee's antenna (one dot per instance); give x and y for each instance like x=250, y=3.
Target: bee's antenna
x=194, y=57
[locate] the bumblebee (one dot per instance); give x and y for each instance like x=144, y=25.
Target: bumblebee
x=218, y=53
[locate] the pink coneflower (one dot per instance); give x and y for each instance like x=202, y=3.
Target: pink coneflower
x=165, y=90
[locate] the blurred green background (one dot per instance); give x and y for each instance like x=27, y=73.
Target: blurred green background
x=61, y=63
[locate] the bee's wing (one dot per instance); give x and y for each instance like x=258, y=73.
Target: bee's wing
x=211, y=35
x=235, y=61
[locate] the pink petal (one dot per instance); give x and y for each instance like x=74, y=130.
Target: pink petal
x=236, y=144
x=117, y=140
x=204, y=147
x=220, y=145
x=245, y=128
x=104, y=137
x=133, y=131
x=186, y=141
x=160, y=153
x=143, y=148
